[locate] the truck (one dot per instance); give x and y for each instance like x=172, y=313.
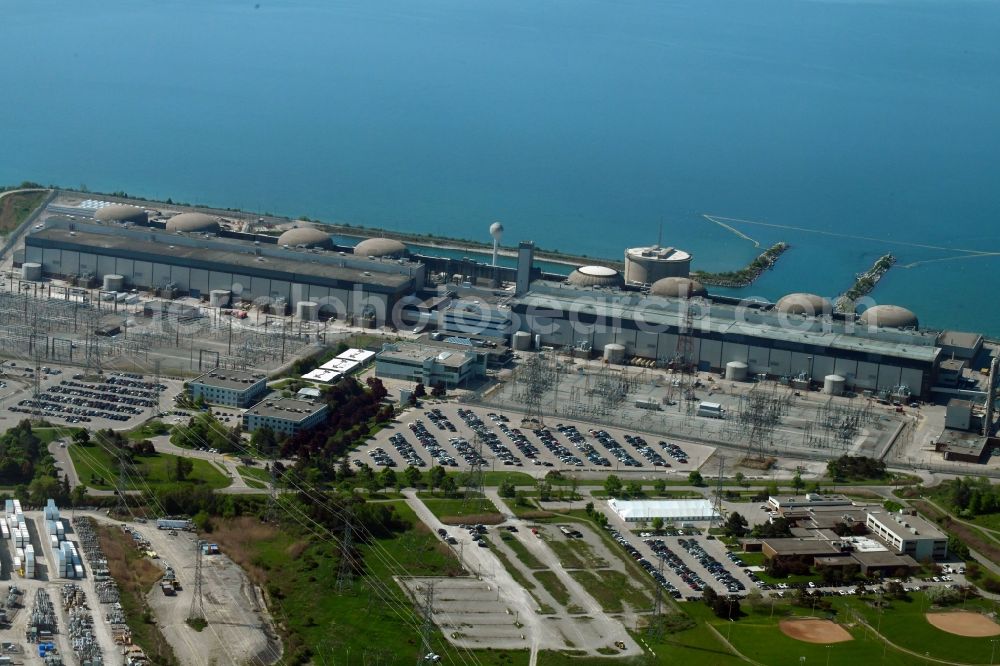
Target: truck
x=712, y=410
x=648, y=403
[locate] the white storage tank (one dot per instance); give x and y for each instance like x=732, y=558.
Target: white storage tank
x=307, y=310
x=614, y=353
x=736, y=371
x=521, y=341
x=219, y=298
x=31, y=271
x=834, y=385
x=114, y=282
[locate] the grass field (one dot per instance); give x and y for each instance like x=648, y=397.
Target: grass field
x=97, y=470
x=48, y=435
x=374, y=619
x=611, y=588
x=255, y=477
x=15, y=208
x=148, y=430
x=457, y=510
x=553, y=586
x=523, y=554
x=575, y=553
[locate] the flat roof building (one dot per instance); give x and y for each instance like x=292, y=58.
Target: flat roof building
x=232, y=388
x=285, y=416
x=786, y=502
x=429, y=365
x=641, y=511
x=909, y=534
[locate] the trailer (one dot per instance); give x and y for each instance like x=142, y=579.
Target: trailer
x=173, y=524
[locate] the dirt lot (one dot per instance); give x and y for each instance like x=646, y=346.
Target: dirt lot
x=815, y=631
x=238, y=624
x=964, y=623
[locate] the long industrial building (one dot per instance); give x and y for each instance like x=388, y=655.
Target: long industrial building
x=770, y=341
x=194, y=260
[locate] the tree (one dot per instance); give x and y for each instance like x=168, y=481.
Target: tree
x=797, y=482
x=660, y=486
x=419, y=391
x=695, y=478
x=264, y=442
x=613, y=485
x=448, y=486
x=182, y=467
x=412, y=476
x=81, y=437
x=736, y=525
x=634, y=489
x=436, y=476
x=589, y=508
x=658, y=523
x=79, y=495
x=438, y=390
x=507, y=489
x=387, y=477
x=709, y=595
x=739, y=478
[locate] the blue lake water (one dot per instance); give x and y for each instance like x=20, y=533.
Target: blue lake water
x=583, y=125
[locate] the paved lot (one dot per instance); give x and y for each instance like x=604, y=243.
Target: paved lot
x=544, y=461
x=238, y=624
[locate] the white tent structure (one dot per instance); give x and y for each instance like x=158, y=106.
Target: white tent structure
x=644, y=511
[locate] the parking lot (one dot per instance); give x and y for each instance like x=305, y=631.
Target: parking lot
x=116, y=399
x=453, y=435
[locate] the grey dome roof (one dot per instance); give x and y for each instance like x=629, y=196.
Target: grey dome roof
x=380, y=247
x=889, y=316
x=595, y=276
x=121, y=213
x=803, y=303
x=193, y=222
x=308, y=236
x=678, y=287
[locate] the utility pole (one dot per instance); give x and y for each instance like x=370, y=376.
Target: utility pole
x=474, y=490
x=655, y=629
x=122, y=507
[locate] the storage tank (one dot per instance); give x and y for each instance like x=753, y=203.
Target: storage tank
x=521, y=341
x=307, y=310
x=736, y=371
x=614, y=353
x=834, y=385
x=31, y=271
x=114, y=282
x=646, y=265
x=219, y=298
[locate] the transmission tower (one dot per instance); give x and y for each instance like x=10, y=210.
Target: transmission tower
x=684, y=358
x=122, y=507
x=345, y=574
x=428, y=626
x=655, y=628
x=197, y=612
x=474, y=489
x=155, y=407
x=717, y=505
x=271, y=512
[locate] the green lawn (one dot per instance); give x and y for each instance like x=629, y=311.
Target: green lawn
x=149, y=429
x=256, y=477
x=48, y=435
x=97, y=470
x=752, y=559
